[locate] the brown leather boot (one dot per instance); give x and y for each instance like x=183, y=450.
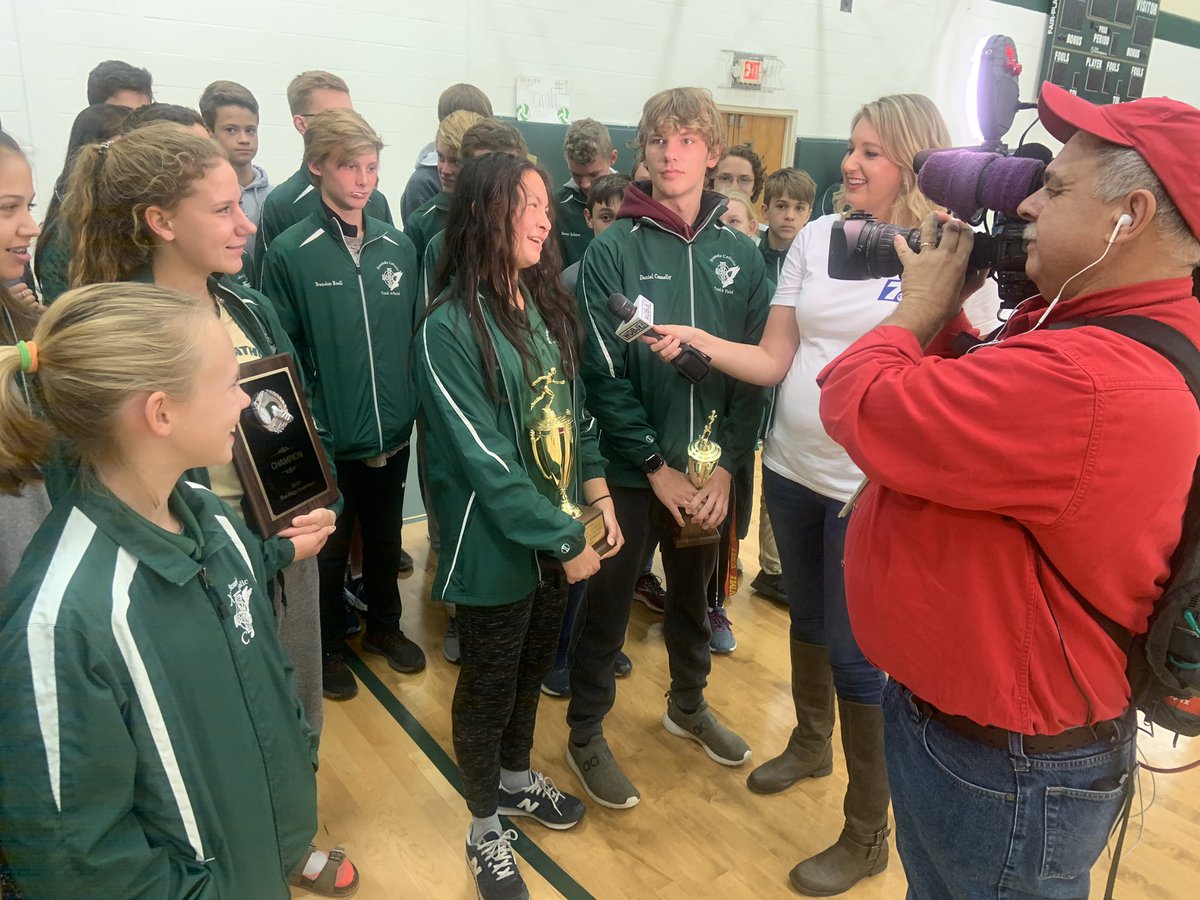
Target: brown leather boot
x=809, y=752
x=862, y=848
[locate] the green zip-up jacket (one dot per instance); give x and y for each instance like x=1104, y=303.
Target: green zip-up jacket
x=427, y=220
x=292, y=201
x=773, y=260
x=492, y=518
x=152, y=742
x=707, y=275
x=351, y=326
x=573, y=232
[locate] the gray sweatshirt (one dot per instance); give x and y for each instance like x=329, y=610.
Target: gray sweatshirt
x=254, y=195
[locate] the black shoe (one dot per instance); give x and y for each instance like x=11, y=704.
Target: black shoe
x=337, y=681
x=494, y=868
x=352, y=593
x=353, y=623
x=623, y=666
x=770, y=586
x=406, y=562
x=402, y=654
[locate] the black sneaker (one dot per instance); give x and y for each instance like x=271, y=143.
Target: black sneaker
x=623, y=666
x=402, y=654
x=337, y=681
x=352, y=593
x=770, y=586
x=543, y=802
x=649, y=590
x=494, y=869
x=406, y=562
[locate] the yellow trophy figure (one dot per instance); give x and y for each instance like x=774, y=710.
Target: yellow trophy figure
x=703, y=455
x=553, y=442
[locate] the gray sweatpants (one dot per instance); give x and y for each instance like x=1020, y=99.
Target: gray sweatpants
x=300, y=633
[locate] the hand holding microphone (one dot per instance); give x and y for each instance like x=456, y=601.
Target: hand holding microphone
x=638, y=322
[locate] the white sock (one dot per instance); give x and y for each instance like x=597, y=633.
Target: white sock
x=481, y=827
x=316, y=862
x=516, y=781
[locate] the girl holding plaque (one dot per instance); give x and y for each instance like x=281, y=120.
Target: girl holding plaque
x=153, y=745
x=161, y=205
x=511, y=456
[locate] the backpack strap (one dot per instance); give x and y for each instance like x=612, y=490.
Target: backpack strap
x=1182, y=353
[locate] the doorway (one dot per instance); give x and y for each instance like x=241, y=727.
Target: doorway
x=770, y=133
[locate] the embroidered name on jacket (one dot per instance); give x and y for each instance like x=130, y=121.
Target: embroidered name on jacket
x=239, y=599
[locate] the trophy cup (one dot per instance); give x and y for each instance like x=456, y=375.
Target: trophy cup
x=553, y=440
x=703, y=454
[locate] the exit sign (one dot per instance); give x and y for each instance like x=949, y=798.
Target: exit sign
x=748, y=70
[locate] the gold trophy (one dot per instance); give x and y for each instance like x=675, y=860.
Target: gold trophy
x=553, y=440
x=703, y=454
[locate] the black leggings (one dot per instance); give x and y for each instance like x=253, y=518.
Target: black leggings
x=505, y=652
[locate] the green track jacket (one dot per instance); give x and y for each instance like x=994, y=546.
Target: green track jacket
x=711, y=277
x=151, y=739
x=351, y=326
x=773, y=260
x=573, y=232
x=491, y=518
x=427, y=220
x=290, y=202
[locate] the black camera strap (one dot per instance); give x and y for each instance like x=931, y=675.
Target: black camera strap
x=1185, y=562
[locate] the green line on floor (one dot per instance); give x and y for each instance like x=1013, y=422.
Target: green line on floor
x=528, y=850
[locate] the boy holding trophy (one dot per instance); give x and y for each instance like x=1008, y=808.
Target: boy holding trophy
x=668, y=245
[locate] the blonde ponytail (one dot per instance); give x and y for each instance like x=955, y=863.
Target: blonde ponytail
x=97, y=347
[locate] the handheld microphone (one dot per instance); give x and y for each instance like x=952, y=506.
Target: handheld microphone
x=638, y=320
x=965, y=181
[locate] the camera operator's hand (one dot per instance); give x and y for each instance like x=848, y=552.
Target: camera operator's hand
x=933, y=281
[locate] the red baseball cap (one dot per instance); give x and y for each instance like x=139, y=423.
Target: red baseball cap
x=1164, y=131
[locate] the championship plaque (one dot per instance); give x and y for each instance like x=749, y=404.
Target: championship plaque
x=276, y=449
x=553, y=441
x=703, y=455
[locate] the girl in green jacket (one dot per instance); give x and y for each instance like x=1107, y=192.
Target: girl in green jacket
x=498, y=350
x=162, y=205
x=152, y=743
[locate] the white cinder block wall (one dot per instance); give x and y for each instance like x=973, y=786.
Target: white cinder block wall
x=397, y=55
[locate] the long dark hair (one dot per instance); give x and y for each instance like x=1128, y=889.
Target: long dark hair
x=95, y=123
x=478, y=260
x=16, y=320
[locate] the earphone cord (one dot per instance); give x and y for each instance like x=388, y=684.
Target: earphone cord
x=1058, y=296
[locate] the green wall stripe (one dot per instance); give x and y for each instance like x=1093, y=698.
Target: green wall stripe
x=528, y=850
x=1170, y=27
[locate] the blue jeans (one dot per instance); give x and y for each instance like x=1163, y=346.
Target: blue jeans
x=812, y=544
x=973, y=821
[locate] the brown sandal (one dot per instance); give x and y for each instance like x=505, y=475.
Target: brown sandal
x=325, y=883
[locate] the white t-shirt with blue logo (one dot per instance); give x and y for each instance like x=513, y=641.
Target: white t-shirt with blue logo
x=831, y=315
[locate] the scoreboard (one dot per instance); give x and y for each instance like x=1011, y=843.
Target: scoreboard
x=1099, y=49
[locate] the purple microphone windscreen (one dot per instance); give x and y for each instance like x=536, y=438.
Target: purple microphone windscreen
x=968, y=180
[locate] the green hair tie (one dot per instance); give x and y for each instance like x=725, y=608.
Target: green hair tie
x=28, y=354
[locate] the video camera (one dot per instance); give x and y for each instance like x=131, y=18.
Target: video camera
x=969, y=181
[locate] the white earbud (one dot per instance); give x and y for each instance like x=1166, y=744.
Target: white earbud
x=1124, y=222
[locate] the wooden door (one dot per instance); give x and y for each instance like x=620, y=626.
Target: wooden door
x=766, y=134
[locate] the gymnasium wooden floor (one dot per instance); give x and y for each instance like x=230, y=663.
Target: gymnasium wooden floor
x=387, y=781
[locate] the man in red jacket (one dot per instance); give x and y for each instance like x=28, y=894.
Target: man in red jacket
x=1043, y=467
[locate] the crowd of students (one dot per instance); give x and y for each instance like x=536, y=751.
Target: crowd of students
x=189, y=730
